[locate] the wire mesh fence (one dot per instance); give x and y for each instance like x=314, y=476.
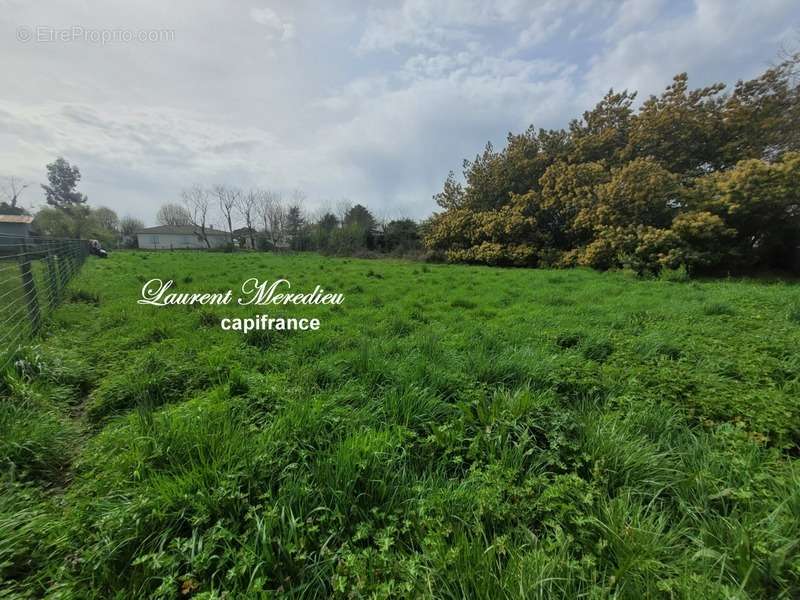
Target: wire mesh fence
x=34, y=271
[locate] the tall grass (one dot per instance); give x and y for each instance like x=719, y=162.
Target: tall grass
x=450, y=432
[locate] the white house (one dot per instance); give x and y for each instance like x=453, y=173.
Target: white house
x=169, y=237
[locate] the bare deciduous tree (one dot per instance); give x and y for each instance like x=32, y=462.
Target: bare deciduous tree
x=343, y=207
x=106, y=218
x=173, y=214
x=128, y=225
x=298, y=198
x=227, y=198
x=198, y=204
x=325, y=207
x=272, y=214
x=247, y=208
x=11, y=189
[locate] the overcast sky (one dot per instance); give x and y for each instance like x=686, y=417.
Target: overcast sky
x=370, y=101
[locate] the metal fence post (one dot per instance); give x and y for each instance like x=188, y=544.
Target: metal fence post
x=52, y=275
x=29, y=286
x=63, y=263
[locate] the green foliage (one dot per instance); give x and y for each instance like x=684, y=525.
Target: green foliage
x=359, y=233
x=360, y=217
x=694, y=178
x=400, y=236
x=758, y=201
x=450, y=432
x=78, y=221
x=295, y=228
x=683, y=129
x=641, y=192
x=63, y=178
x=8, y=209
x=678, y=275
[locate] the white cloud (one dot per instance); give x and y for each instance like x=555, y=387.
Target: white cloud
x=434, y=24
x=275, y=26
x=718, y=40
x=634, y=14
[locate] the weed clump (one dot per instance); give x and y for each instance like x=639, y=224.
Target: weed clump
x=677, y=275
x=654, y=348
x=598, y=350
x=156, y=335
x=718, y=309
x=794, y=314
x=566, y=341
x=158, y=376
x=84, y=297
x=463, y=303
x=207, y=318
x=35, y=437
x=399, y=326
x=263, y=339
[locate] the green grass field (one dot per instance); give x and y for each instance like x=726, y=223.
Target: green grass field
x=450, y=432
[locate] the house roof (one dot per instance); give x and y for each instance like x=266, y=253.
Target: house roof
x=181, y=230
x=243, y=230
x=16, y=219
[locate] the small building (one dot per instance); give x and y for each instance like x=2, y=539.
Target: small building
x=13, y=228
x=170, y=237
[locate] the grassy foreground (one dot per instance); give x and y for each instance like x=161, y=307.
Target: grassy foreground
x=450, y=432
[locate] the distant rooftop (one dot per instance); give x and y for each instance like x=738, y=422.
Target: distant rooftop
x=16, y=219
x=181, y=230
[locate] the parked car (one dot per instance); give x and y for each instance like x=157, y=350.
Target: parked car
x=96, y=249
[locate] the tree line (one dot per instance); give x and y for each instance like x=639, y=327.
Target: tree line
x=256, y=218
x=269, y=221
x=697, y=178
